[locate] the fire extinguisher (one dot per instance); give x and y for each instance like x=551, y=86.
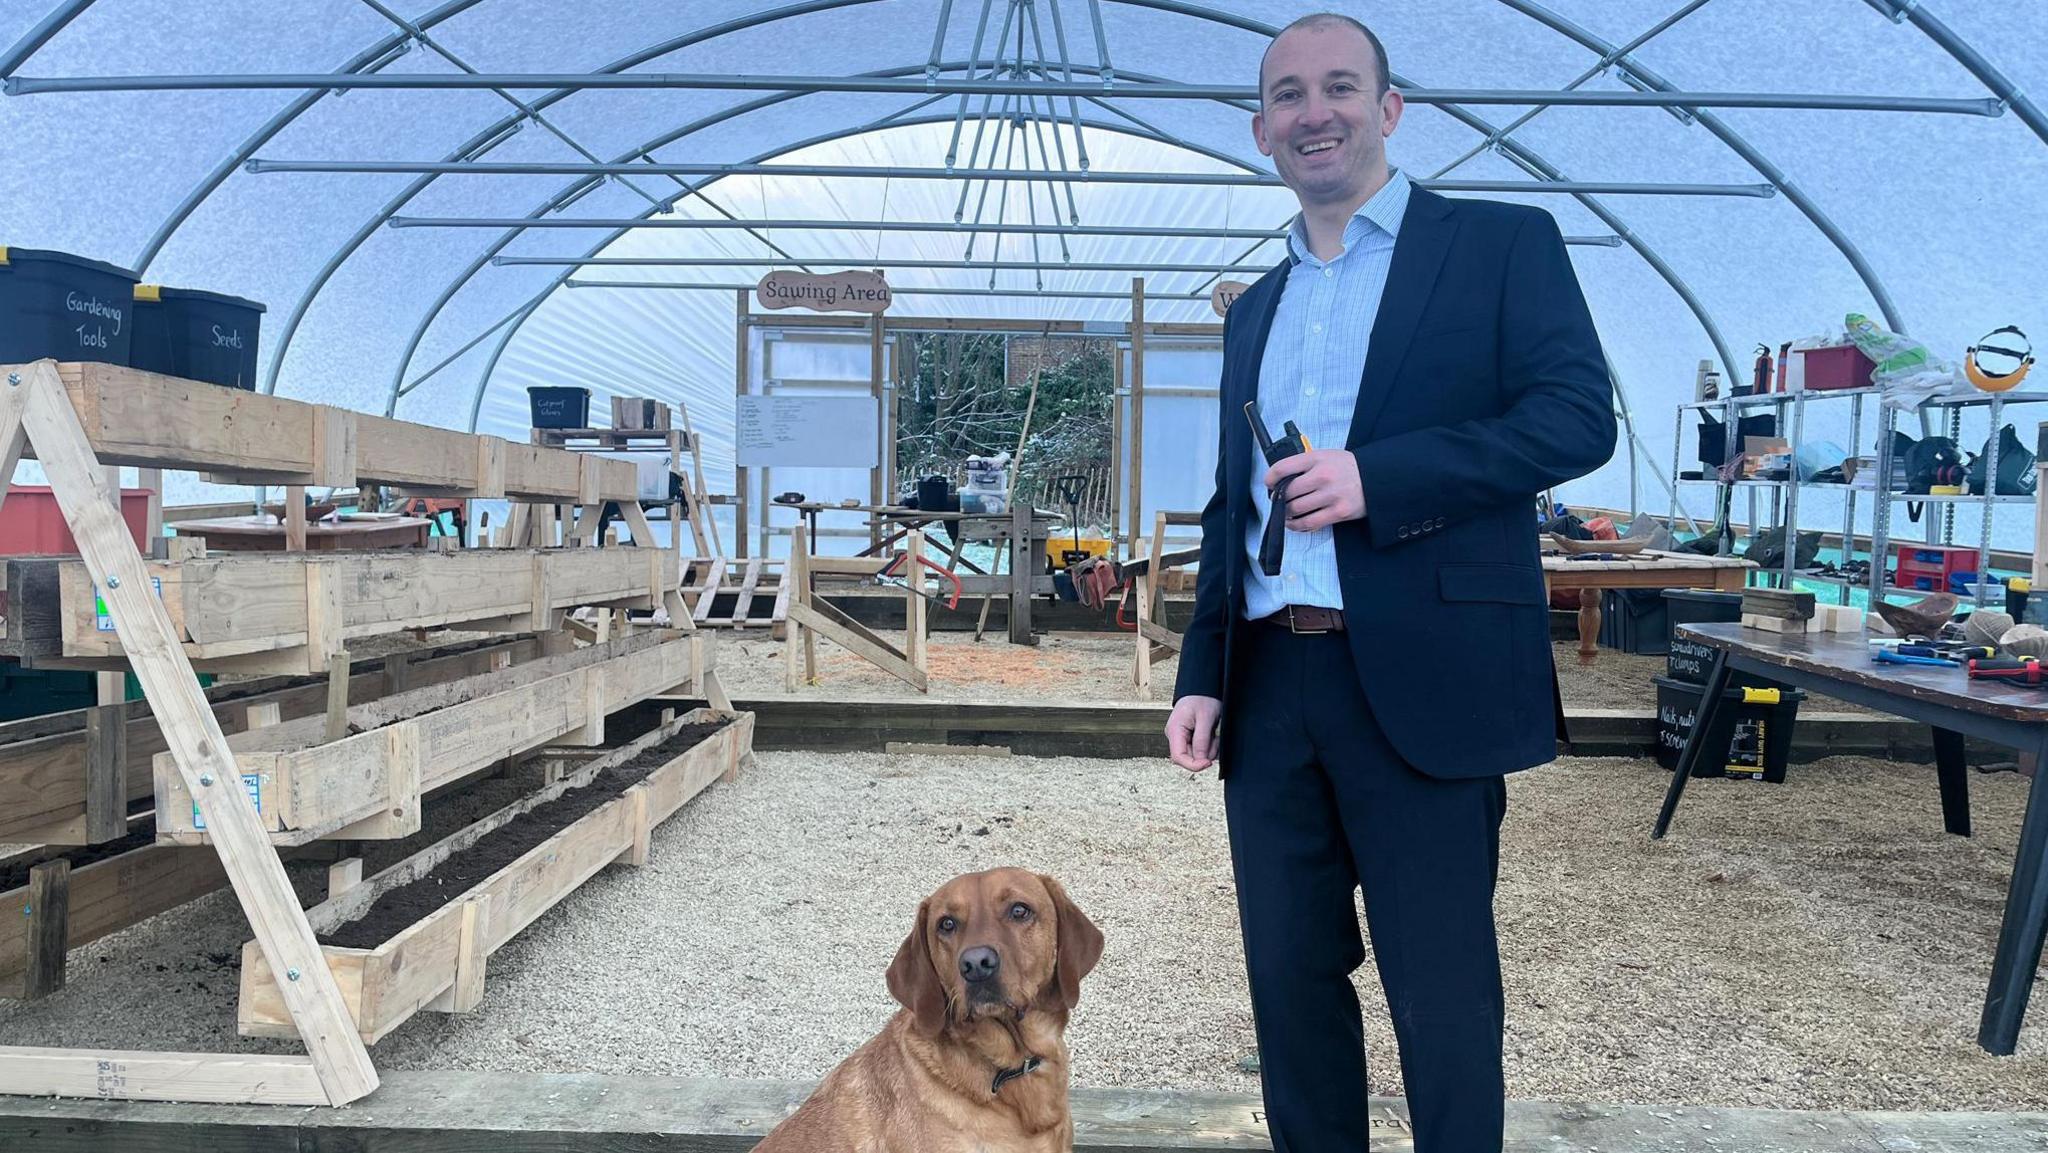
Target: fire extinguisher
x=1760, y=383
x=1785, y=367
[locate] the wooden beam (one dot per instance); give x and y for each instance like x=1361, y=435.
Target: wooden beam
x=814, y=618
x=49, y=931
x=198, y=745
x=1022, y=574
x=106, y=773
x=114, y=1075
x=1136, y=506
x=739, y=389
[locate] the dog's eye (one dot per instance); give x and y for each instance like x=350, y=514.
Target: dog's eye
x=1020, y=911
x=948, y=924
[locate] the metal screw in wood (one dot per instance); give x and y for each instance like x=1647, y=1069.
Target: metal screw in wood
x=113, y=582
x=291, y=974
x=14, y=380
x=206, y=778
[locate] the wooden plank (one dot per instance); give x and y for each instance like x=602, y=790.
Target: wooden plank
x=49, y=934
x=120, y=1075
x=1022, y=570
x=334, y=446
x=416, y=457
x=712, y=581
x=200, y=748
x=139, y=418
x=748, y=584
x=106, y=773
x=295, y=518
x=468, y=989
x=914, y=603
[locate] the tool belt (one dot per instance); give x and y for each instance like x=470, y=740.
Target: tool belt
x=1305, y=619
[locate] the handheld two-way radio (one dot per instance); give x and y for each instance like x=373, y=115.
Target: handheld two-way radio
x=1274, y=543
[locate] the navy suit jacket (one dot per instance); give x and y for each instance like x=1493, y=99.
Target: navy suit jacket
x=1484, y=385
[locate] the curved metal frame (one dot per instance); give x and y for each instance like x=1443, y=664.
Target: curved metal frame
x=386, y=49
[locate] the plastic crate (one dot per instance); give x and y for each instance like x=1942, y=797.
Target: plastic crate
x=64, y=307
x=1837, y=367
x=31, y=524
x=559, y=407
x=203, y=336
x=1635, y=621
x=1686, y=660
x=1762, y=742
x=1930, y=568
x=28, y=693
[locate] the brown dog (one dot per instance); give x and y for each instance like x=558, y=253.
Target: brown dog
x=976, y=1061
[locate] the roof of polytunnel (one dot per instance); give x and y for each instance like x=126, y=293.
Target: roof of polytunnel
x=1924, y=218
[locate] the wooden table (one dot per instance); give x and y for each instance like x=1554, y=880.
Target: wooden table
x=1648, y=569
x=1839, y=665
x=262, y=533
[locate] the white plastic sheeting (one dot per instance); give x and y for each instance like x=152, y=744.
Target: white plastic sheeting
x=1944, y=210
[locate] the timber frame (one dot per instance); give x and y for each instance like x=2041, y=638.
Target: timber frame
x=78, y=419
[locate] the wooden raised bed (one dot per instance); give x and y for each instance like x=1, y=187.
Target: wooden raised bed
x=297, y=610
x=368, y=786
x=151, y=421
x=438, y=961
x=47, y=764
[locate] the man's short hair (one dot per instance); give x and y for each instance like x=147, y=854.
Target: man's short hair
x=1324, y=20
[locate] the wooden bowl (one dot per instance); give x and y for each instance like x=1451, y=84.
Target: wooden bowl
x=1571, y=547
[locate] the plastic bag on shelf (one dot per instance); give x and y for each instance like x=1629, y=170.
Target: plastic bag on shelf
x=1907, y=374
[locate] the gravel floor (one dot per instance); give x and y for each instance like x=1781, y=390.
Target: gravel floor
x=1818, y=944
x=1097, y=667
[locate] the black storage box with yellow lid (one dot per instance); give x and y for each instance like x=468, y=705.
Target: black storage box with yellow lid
x=63, y=307
x=1761, y=745
x=1685, y=659
x=203, y=336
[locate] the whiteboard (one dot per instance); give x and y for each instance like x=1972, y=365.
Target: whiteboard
x=818, y=431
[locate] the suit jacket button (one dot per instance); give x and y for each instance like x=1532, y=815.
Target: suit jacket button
x=1403, y=535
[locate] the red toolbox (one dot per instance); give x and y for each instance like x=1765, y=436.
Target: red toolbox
x=1928, y=567
x=32, y=524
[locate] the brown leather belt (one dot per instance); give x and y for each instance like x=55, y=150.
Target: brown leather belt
x=1306, y=619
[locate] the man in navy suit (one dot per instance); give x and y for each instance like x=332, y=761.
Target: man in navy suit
x=1366, y=701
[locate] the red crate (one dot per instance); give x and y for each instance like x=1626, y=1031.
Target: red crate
x=1928, y=567
x=1841, y=366
x=32, y=524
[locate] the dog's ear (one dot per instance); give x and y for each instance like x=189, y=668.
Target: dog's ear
x=1079, y=942
x=914, y=982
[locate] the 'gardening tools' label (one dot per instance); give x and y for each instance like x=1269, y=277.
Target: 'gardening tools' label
x=103, y=621
x=251, y=783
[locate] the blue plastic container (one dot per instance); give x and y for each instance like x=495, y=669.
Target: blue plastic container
x=65, y=307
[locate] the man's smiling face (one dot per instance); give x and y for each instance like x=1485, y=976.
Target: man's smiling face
x=1322, y=118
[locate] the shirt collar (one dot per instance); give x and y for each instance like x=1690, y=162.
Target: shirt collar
x=1384, y=209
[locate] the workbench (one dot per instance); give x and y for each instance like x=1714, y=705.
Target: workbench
x=1839, y=665
x=1649, y=569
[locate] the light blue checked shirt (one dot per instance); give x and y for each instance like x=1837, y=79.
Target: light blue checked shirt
x=1315, y=357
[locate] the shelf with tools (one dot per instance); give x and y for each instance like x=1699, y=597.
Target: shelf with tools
x=1784, y=493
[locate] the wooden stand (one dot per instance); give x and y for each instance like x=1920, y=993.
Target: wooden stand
x=1156, y=642
x=811, y=617
x=35, y=410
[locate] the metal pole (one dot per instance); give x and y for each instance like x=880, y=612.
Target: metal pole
x=2029, y=113
x=943, y=265
x=1161, y=90
x=859, y=226
x=263, y=165
x=33, y=40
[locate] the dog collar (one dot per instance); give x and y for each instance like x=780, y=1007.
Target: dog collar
x=1005, y=1076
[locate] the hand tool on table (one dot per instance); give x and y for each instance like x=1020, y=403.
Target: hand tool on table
x=1274, y=543
x=1890, y=657
x=1947, y=651
x=2025, y=672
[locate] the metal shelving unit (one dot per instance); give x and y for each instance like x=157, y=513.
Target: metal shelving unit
x=1793, y=404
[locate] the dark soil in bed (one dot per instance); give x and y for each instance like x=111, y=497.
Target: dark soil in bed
x=401, y=907
x=14, y=876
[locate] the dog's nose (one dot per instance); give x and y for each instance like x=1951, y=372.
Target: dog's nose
x=979, y=964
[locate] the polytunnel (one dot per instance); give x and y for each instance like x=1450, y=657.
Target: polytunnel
x=936, y=293
x=438, y=204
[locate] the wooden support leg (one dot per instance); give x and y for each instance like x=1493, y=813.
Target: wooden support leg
x=914, y=645
x=344, y=875
x=13, y=437
x=1589, y=623
x=1141, y=669
x=1708, y=725
x=295, y=518
x=1953, y=775
x=49, y=928
x=337, y=696
x=339, y=1060
x=643, y=831
x=468, y=990
x=2021, y=932
x=714, y=692
x=106, y=774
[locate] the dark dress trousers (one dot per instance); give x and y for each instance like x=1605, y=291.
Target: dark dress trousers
x=1372, y=759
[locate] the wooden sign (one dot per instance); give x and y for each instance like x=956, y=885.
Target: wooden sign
x=849, y=291
x=1225, y=294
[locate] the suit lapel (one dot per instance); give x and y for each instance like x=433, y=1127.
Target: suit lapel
x=1426, y=231
x=1241, y=381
